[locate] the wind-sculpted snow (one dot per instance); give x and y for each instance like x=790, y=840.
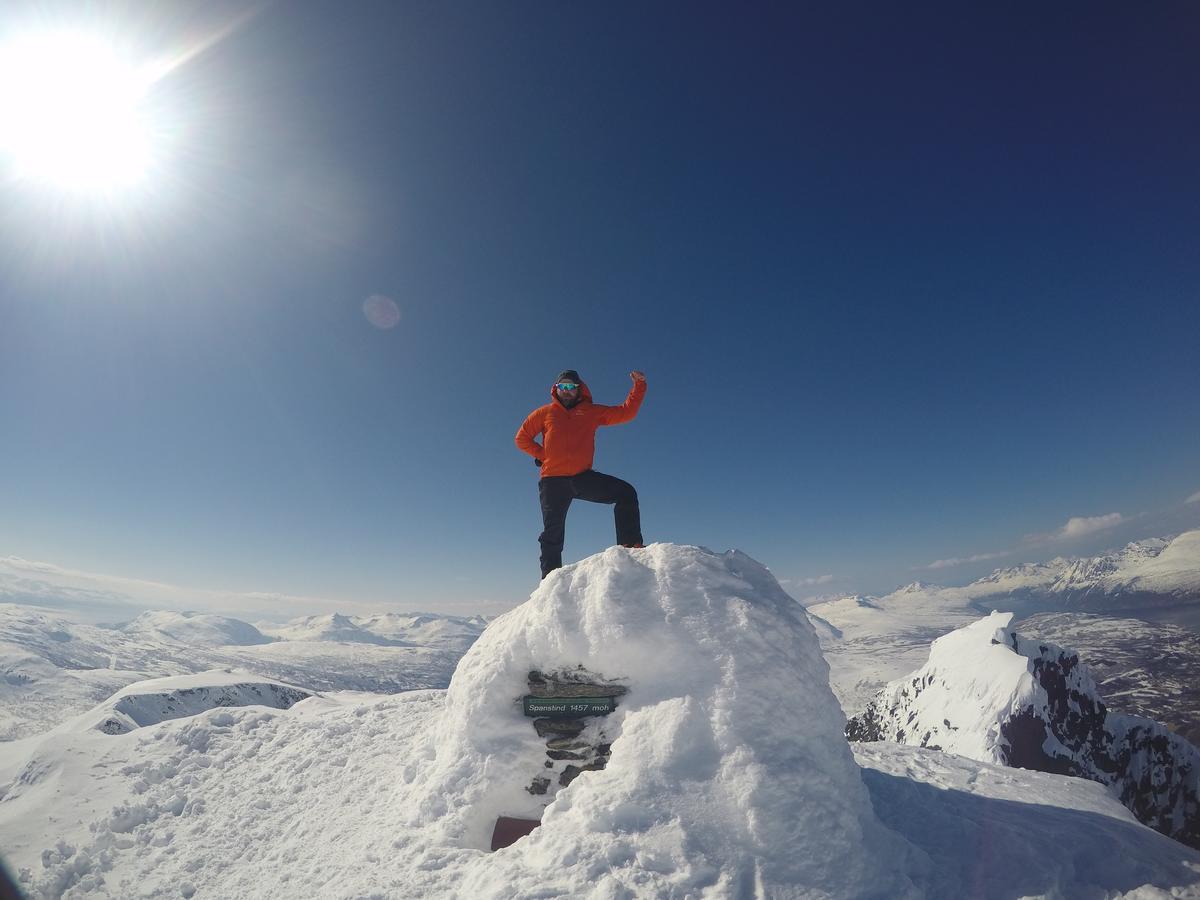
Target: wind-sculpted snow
x=989, y=694
x=728, y=770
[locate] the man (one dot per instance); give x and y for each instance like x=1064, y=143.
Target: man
x=568, y=424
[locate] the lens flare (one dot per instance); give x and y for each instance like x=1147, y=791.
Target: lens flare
x=381, y=311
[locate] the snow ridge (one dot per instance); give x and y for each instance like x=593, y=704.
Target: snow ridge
x=991, y=695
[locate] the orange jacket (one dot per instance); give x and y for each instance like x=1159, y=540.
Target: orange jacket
x=569, y=442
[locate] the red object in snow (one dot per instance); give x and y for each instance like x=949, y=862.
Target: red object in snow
x=509, y=830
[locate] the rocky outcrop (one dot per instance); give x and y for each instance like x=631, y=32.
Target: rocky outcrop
x=990, y=694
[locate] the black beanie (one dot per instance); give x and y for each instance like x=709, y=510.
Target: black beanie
x=569, y=375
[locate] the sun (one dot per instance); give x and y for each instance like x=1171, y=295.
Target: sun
x=72, y=112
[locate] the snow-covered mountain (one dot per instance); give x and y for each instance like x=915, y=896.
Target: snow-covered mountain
x=989, y=694
x=882, y=638
x=452, y=633
x=725, y=775
x=1145, y=574
x=197, y=629
x=52, y=668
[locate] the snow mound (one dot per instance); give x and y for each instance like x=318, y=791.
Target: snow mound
x=160, y=699
x=991, y=695
x=729, y=772
x=196, y=629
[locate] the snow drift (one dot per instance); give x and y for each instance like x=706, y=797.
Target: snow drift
x=728, y=772
x=991, y=695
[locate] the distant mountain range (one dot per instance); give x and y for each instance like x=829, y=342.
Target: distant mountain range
x=1145, y=575
x=52, y=668
x=872, y=640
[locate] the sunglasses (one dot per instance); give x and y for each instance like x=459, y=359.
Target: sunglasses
x=567, y=386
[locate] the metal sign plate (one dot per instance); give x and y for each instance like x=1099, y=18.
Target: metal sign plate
x=569, y=707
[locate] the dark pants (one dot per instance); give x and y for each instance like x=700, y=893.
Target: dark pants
x=556, y=494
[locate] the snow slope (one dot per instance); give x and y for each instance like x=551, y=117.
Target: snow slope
x=995, y=832
x=725, y=780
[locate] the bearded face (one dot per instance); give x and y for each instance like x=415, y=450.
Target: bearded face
x=567, y=396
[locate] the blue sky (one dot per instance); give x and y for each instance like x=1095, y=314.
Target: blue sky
x=908, y=285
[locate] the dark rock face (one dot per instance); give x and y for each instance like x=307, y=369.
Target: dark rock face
x=1142, y=668
x=869, y=726
x=1155, y=772
x=572, y=683
x=557, y=728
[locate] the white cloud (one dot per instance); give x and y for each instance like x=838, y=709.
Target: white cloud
x=963, y=560
x=1078, y=526
x=1195, y=498
x=110, y=597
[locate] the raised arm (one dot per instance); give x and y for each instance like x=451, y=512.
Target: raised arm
x=534, y=425
x=615, y=415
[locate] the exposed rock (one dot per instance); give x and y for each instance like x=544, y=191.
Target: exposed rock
x=559, y=727
x=565, y=754
x=539, y=786
x=570, y=773
x=566, y=740
x=572, y=683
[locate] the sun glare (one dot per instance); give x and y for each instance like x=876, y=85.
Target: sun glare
x=71, y=113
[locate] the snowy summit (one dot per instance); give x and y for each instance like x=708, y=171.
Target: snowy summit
x=712, y=765
x=729, y=771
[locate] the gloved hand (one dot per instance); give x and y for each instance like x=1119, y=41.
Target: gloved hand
x=538, y=463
